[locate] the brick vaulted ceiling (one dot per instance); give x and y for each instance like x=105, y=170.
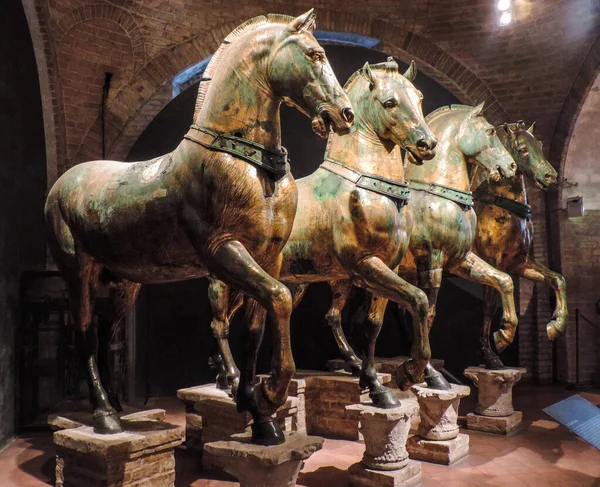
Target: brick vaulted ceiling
x=536, y=68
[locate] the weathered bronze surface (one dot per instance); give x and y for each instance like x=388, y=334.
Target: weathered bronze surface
x=352, y=221
x=200, y=209
x=444, y=226
x=505, y=231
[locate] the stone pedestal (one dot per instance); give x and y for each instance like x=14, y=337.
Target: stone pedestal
x=76, y=419
x=211, y=415
x=494, y=412
x=438, y=439
x=385, y=461
x=142, y=455
x=326, y=396
x=263, y=466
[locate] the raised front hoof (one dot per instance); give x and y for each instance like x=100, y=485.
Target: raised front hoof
x=501, y=341
x=554, y=330
x=404, y=379
x=355, y=367
x=438, y=382
x=267, y=432
x=384, y=399
x=491, y=361
x=107, y=423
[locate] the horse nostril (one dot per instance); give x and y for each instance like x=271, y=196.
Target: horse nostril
x=549, y=177
x=348, y=114
x=433, y=143
x=423, y=145
x=513, y=166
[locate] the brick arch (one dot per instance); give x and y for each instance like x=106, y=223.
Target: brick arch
x=138, y=103
x=106, y=12
x=572, y=107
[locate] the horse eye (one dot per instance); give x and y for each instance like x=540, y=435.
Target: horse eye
x=491, y=132
x=316, y=56
x=524, y=151
x=390, y=104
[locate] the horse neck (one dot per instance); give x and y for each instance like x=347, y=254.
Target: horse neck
x=365, y=152
x=510, y=188
x=239, y=99
x=449, y=166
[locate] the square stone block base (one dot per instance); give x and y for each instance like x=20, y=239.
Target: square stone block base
x=361, y=476
x=443, y=452
x=499, y=425
x=263, y=466
x=142, y=455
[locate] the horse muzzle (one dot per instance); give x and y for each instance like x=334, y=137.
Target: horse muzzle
x=336, y=119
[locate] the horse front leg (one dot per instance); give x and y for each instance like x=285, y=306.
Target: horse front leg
x=476, y=269
x=234, y=265
x=340, y=291
x=534, y=271
x=490, y=358
x=222, y=359
x=430, y=281
x=375, y=276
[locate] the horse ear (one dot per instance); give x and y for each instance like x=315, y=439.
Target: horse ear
x=477, y=111
x=367, y=73
x=510, y=135
x=530, y=129
x=304, y=22
x=411, y=72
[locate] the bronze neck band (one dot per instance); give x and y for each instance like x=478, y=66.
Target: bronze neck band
x=463, y=198
x=522, y=210
x=275, y=162
x=398, y=192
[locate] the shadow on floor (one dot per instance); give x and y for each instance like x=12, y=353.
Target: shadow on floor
x=324, y=476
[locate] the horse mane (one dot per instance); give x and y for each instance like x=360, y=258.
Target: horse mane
x=389, y=66
x=236, y=33
x=446, y=108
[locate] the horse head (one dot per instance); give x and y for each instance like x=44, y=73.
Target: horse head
x=391, y=107
x=527, y=152
x=480, y=144
x=300, y=74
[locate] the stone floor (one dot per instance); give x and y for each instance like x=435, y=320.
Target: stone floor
x=543, y=454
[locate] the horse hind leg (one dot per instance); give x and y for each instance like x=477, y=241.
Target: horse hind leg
x=224, y=304
x=490, y=358
x=340, y=291
x=123, y=295
x=82, y=287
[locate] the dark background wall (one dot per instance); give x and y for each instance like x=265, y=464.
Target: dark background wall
x=22, y=188
x=175, y=317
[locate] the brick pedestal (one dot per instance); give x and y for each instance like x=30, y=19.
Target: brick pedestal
x=143, y=455
x=211, y=415
x=385, y=461
x=438, y=439
x=263, y=466
x=494, y=412
x=326, y=396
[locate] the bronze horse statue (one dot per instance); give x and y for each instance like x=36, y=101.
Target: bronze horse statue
x=444, y=226
x=505, y=230
x=222, y=203
x=352, y=222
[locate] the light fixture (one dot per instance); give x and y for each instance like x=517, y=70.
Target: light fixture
x=505, y=18
x=575, y=207
x=503, y=5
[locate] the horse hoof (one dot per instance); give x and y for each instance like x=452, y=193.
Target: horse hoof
x=491, y=360
x=107, y=422
x=404, y=379
x=384, y=399
x=355, y=368
x=552, y=330
x=267, y=432
x=500, y=340
x=438, y=382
